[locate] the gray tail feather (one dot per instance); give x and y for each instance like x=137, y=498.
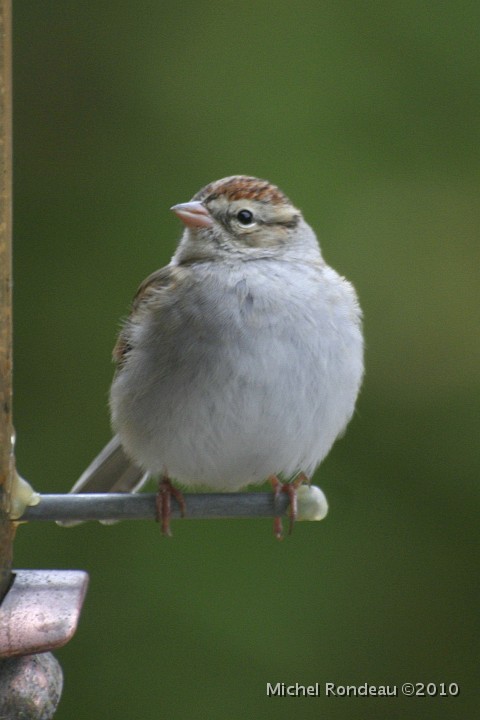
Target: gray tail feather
x=111, y=471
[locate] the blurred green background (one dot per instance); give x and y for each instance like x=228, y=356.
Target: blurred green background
x=367, y=115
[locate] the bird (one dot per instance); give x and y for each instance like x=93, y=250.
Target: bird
x=240, y=361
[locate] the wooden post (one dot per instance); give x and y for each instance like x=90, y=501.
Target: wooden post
x=7, y=528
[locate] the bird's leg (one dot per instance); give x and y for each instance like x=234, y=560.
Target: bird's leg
x=277, y=521
x=290, y=488
x=163, y=503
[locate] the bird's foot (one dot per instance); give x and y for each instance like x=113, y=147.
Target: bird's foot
x=290, y=488
x=164, y=505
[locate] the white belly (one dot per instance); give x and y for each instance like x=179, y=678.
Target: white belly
x=257, y=381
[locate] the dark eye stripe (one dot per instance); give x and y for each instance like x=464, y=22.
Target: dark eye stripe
x=284, y=223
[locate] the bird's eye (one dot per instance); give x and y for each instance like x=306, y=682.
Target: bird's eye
x=245, y=217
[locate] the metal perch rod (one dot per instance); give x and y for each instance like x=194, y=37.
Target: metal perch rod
x=126, y=506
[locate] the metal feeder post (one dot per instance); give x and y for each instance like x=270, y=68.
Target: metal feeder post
x=39, y=609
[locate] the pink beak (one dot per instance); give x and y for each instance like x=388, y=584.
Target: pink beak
x=193, y=214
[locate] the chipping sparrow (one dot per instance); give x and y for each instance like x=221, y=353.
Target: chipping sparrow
x=241, y=360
